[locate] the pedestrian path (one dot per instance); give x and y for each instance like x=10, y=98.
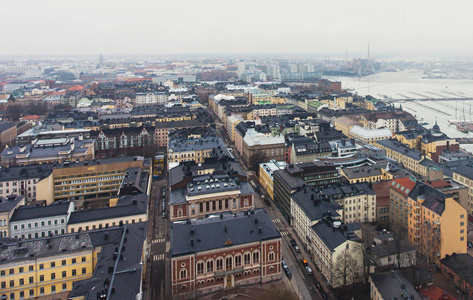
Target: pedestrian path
x=284, y=232
x=155, y=241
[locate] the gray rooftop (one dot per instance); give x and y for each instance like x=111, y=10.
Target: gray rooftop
x=333, y=237
x=315, y=205
x=30, y=212
x=401, y=148
x=8, y=203
x=219, y=231
x=34, y=171
x=393, y=285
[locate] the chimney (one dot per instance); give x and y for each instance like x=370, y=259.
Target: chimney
x=448, y=146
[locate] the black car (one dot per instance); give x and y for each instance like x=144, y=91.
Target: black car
x=324, y=296
x=318, y=286
x=293, y=242
x=288, y=273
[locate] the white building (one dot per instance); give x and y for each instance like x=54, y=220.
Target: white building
x=29, y=222
x=151, y=98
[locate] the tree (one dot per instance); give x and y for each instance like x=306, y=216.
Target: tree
x=366, y=249
x=14, y=112
x=257, y=158
x=346, y=270
x=277, y=292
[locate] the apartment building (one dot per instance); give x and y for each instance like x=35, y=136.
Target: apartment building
x=8, y=205
x=196, y=148
x=21, y=180
x=217, y=253
x=400, y=189
x=308, y=207
x=112, y=142
x=55, y=266
x=437, y=224
x=409, y=158
x=358, y=201
x=463, y=174
x=362, y=174
x=330, y=241
x=370, y=136
x=48, y=151
x=265, y=175
x=151, y=98
x=89, y=183
x=123, y=210
x=28, y=222
x=288, y=180
x=162, y=129
x=391, y=285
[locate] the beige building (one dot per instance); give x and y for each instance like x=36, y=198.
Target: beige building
x=88, y=182
x=8, y=206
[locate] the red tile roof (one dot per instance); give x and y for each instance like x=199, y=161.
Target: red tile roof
x=437, y=183
x=76, y=88
x=403, y=185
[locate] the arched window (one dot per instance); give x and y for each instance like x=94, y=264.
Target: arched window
x=229, y=263
x=12, y=296
x=210, y=265
x=22, y=294
x=237, y=260
x=200, y=267
x=31, y=293
x=271, y=256
x=255, y=257
x=247, y=258
x=183, y=273
x=219, y=263
x=183, y=287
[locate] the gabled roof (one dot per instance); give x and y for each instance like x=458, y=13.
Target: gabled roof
x=403, y=185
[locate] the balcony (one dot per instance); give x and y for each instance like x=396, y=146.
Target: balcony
x=436, y=222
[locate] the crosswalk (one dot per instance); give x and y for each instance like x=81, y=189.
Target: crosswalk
x=276, y=221
x=284, y=232
x=155, y=241
x=157, y=257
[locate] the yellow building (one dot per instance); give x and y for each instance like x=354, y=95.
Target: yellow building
x=265, y=175
x=410, y=158
x=370, y=136
x=344, y=124
x=362, y=174
x=437, y=224
x=8, y=206
x=45, y=266
x=89, y=180
x=464, y=175
x=194, y=148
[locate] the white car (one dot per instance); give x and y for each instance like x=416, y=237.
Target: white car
x=309, y=270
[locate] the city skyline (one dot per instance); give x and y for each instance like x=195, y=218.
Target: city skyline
x=403, y=29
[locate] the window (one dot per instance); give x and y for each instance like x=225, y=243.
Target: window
x=53, y=289
x=255, y=257
x=64, y=274
x=41, y=291
x=31, y=279
x=2, y=273
x=462, y=238
x=210, y=266
x=12, y=283
x=41, y=266
x=63, y=262
x=84, y=270
x=22, y=281
x=4, y=285
x=271, y=256
x=12, y=271
x=228, y=263
x=83, y=258
x=64, y=286
x=462, y=223
x=183, y=273
x=247, y=258
x=73, y=260
x=12, y=296
x=53, y=264
x=237, y=260
x=53, y=276
x=31, y=293
x=74, y=272
x=41, y=278
x=200, y=267
x=219, y=263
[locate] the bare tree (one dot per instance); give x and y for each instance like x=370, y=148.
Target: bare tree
x=346, y=270
x=257, y=158
x=366, y=249
x=277, y=292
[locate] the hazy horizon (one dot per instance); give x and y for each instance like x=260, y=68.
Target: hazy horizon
x=402, y=29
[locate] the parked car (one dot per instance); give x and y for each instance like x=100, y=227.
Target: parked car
x=324, y=296
x=309, y=270
x=293, y=242
x=164, y=215
x=470, y=218
x=318, y=286
x=283, y=263
x=304, y=262
x=297, y=249
x=288, y=273
x=469, y=244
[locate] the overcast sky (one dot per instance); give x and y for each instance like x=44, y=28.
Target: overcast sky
x=393, y=28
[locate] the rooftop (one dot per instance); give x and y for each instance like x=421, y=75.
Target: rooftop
x=219, y=231
x=398, y=147
x=30, y=212
x=393, y=285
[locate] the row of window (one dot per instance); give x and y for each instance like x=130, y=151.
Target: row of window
x=106, y=225
x=41, y=267
x=21, y=294
x=21, y=281
x=36, y=224
x=39, y=234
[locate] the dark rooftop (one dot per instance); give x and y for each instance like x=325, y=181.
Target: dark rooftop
x=29, y=212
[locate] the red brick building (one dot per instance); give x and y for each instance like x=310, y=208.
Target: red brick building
x=223, y=252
